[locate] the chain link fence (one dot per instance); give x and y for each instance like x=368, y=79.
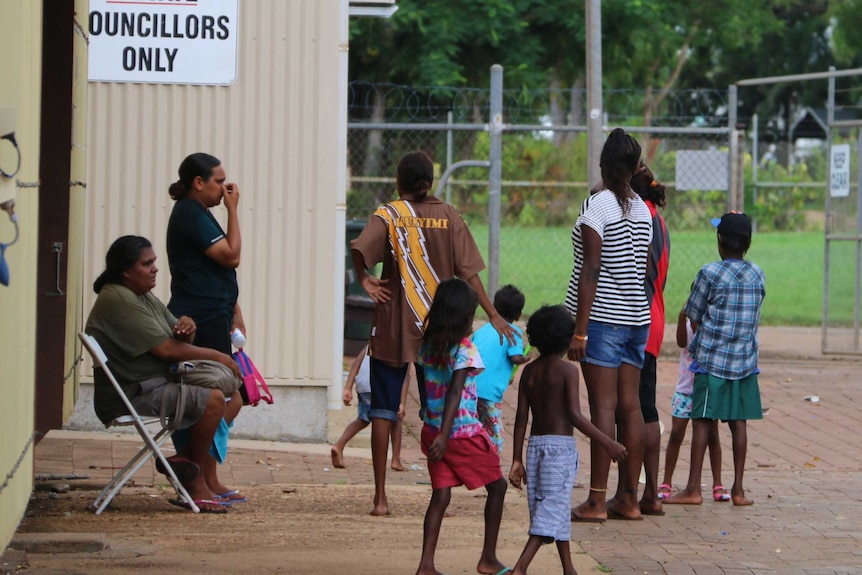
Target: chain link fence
x=544, y=169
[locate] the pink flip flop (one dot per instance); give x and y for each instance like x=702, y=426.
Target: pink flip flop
x=664, y=491
x=719, y=493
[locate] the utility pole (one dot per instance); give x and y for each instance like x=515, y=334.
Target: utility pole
x=594, y=89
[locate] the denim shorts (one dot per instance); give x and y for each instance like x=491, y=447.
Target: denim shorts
x=386, y=383
x=610, y=345
x=363, y=408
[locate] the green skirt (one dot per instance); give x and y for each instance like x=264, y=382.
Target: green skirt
x=726, y=399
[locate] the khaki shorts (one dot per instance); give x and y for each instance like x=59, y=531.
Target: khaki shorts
x=209, y=374
x=156, y=394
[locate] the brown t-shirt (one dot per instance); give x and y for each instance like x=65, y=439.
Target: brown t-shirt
x=420, y=245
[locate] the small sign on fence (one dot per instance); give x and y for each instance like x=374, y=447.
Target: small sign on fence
x=839, y=171
x=701, y=170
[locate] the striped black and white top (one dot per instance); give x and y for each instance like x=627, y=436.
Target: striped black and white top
x=620, y=296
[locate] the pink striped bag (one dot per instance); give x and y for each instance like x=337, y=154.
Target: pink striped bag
x=252, y=381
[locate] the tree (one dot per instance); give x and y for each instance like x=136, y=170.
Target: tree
x=847, y=31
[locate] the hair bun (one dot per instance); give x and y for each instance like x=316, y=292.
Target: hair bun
x=178, y=190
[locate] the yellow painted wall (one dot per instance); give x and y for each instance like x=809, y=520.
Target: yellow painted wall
x=76, y=283
x=20, y=62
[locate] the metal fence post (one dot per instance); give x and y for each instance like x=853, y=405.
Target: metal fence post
x=755, y=160
x=595, y=117
x=495, y=178
x=449, y=118
x=733, y=149
x=827, y=219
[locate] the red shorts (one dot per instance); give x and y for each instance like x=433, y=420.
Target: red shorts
x=471, y=461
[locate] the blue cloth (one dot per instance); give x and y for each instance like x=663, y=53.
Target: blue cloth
x=725, y=304
x=218, y=449
x=4, y=267
x=492, y=383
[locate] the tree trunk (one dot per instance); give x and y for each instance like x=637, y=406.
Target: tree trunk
x=375, y=137
x=576, y=109
x=556, y=109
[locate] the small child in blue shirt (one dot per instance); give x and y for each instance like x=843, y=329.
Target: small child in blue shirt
x=499, y=359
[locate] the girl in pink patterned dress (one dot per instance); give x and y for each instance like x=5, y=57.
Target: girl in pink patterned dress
x=459, y=450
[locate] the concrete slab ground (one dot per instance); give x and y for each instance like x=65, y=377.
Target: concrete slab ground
x=804, y=471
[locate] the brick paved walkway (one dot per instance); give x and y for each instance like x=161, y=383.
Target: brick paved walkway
x=804, y=472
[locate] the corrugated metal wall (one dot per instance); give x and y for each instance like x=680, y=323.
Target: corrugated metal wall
x=276, y=130
x=75, y=280
x=20, y=45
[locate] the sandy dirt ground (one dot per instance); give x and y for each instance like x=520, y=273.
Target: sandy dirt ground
x=303, y=529
x=804, y=470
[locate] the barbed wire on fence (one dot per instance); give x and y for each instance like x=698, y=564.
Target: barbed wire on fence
x=384, y=102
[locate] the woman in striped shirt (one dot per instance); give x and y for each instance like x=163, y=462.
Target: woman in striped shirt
x=606, y=296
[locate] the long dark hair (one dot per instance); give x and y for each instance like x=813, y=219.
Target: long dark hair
x=645, y=185
x=618, y=161
x=450, y=318
x=122, y=255
x=199, y=164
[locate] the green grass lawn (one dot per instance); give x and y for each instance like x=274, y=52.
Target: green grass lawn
x=539, y=262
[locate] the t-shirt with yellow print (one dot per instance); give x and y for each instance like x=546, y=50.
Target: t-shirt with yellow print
x=420, y=245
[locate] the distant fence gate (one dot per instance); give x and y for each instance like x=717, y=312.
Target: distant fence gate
x=842, y=222
x=843, y=227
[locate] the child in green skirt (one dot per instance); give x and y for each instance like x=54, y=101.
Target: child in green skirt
x=725, y=304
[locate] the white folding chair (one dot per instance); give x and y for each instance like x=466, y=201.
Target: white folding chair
x=152, y=443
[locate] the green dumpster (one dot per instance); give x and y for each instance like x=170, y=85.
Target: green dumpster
x=358, y=307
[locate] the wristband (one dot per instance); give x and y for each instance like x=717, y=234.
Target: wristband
x=581, y=337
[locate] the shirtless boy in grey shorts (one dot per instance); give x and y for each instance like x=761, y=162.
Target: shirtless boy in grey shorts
x=549, y=390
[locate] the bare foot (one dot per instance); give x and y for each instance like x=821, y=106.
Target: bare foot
x=625, y=512
x=684, y=498
x=738, y=498
x=589, y=512
x=651, y=507
x=421, y=571
x=380, y=509
x=397, y=466
x=486, y=567
x=337, y=459
x=623, y=506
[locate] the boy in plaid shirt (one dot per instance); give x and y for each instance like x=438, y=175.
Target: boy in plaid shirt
x=725, y=304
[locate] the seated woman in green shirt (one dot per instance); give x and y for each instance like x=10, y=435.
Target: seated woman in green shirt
x=142, y=339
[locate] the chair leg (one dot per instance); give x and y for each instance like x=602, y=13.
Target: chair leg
x=152, y=447
x=120, y=479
